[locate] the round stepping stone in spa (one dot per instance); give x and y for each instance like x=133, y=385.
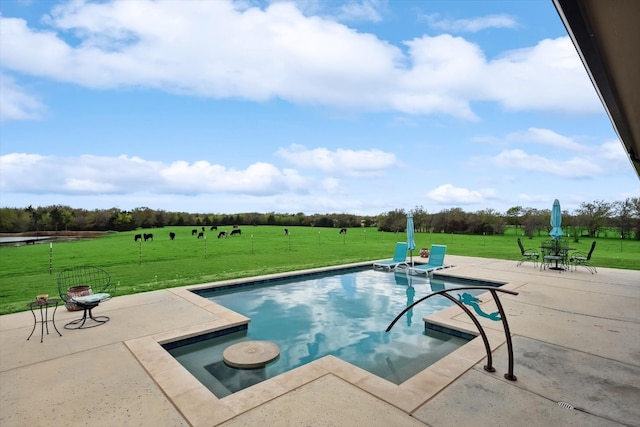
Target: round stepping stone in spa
x=250, y=354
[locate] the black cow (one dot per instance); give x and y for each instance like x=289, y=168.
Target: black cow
x=172, y=235
x=214, y=227
x=203, y=229
x=148, y=237
x=235, y=226
x=194, y=232
x=201, y=235
x=137, y=237
x=222, y=234
x=286, y=231
x=343, y=231
x=236, y=231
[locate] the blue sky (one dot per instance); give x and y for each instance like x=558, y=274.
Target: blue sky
x=308, y=106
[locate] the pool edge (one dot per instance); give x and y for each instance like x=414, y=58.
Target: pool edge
x=201, y=407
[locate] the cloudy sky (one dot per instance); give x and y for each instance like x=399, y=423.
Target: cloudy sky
x=356, y=106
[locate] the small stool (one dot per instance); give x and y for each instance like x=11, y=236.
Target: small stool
x=44, y=316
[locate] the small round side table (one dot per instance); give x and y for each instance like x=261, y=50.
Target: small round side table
x=44, y=316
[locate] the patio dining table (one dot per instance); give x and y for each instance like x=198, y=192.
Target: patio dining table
x=555, y=253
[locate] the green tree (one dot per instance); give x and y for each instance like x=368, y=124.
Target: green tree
x=61, y=217
x=37, y=215
x=513, y=216
x=594, y=215
x=533, y=221
x=13, y=220
x=421, y=219
x=627, y=215
x=121, y=220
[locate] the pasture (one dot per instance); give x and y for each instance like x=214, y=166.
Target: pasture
x=158, y=263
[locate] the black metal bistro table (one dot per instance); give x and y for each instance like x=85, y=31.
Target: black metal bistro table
x=44, y=316
x=556, y=253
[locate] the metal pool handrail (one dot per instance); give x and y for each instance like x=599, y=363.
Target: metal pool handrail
x=489, y=366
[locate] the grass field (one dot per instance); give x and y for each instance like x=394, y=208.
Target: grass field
x=26, y=271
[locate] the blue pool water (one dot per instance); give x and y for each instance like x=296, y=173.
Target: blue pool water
x=343, y=313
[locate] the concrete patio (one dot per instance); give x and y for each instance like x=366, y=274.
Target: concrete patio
x=576, y=340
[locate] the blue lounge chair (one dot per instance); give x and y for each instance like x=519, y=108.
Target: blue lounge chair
x=399, y=258
x=436, y=261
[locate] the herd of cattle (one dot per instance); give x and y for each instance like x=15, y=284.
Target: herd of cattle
x=145, y=236
x=200, y=234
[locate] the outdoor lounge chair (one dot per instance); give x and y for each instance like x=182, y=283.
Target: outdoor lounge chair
x=582, y=259
x=84, y=288
x=436, y=261
x=399, y=258
x=528, y=254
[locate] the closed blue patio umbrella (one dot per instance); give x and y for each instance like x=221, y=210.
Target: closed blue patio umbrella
x=411, y=244
x=556, y=221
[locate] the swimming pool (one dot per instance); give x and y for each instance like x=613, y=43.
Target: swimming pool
x=341, y=313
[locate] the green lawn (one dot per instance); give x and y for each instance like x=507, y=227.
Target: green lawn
x=27, y=271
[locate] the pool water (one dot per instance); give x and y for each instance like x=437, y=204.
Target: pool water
x=343, y=313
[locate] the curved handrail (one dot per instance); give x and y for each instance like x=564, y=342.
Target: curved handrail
x=489, y=366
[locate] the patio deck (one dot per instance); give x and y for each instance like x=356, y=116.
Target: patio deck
x=576, y=341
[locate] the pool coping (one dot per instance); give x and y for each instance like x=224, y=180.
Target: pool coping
x=199, y=406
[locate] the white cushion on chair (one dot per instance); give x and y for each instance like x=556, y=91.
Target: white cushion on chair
x=88, y=299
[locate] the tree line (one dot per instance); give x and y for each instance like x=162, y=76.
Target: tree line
x=589, y=219
x=65, y=218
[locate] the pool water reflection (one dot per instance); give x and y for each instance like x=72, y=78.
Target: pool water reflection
x=344, y=314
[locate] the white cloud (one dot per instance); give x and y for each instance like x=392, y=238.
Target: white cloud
x=16, y=103
x=361, y=163
x=30, y=173
x=442, y=77
x=365, y=10
x=615, y=156
x=451, y=195
x=219, y=49
x=572, y=168
x=548, y=76
x=546, y=137
x=471, y=25
x=333, y=186
x=257, y=179
x=613, y=150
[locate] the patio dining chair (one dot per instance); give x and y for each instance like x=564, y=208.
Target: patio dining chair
x=583, y=259
x=84, y=288
x=528, y=254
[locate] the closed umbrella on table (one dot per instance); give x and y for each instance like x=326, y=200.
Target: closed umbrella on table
x=556, y=221
x=411, y=244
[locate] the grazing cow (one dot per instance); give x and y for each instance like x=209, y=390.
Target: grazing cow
x=194, y=232
x=203, y=229
x=235, y=226
x=201, y=235
x=137, y=237
x=172, y=235
x=148, y=237
x=214, y=227
x=222, y=234
x=343, y=231
x=286, y=231
x=236, y=231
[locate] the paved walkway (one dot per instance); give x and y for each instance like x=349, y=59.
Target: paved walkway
x=576, y=341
